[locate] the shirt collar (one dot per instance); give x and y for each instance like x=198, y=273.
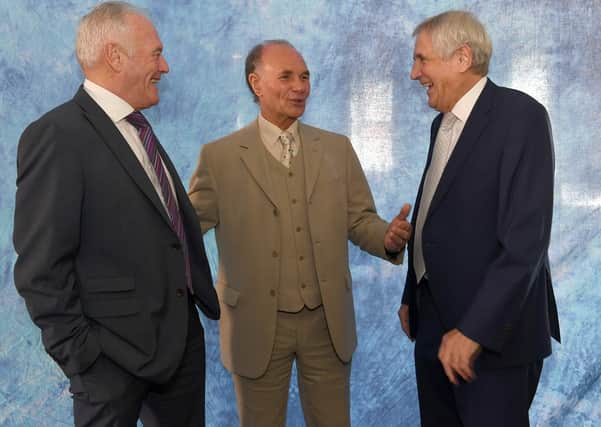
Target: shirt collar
x=463, y=108
x=270, y=132
x=114, y=106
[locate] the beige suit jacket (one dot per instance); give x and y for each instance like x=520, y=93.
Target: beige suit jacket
x=232, y=193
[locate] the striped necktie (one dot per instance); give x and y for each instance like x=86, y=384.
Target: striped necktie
x=150, y=143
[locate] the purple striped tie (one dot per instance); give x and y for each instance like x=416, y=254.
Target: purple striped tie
x=150, y=142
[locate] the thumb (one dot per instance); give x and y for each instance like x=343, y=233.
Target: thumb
x=404, y=213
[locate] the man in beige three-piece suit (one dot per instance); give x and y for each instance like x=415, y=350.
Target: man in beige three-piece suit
x=284, y=199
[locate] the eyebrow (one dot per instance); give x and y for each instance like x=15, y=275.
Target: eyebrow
x=284, y=72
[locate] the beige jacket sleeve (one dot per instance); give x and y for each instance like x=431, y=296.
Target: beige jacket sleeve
x=203, y=192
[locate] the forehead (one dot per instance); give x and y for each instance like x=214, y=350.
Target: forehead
x=423, y=44
x=282, y=57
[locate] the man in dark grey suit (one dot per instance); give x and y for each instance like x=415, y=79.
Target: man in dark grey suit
x=111, y=261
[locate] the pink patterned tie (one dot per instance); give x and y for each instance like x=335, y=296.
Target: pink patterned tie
x=150, y=142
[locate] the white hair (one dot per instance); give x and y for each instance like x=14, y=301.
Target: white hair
x=450, y=30
x=105, y=23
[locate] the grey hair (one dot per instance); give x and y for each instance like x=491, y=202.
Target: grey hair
x=450, y=30
x=253, y=59
x=103, y=24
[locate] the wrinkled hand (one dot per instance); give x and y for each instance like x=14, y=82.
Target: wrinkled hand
x=399, y=231
x=457, y=353
x=404, y=318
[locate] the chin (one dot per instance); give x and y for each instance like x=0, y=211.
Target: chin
x=153, y=101
x=297, y=112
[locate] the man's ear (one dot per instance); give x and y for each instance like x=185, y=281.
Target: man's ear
x=254, y=82
x=114, y=56
x=464, y=57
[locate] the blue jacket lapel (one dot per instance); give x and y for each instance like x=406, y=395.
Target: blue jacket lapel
x=476, y=123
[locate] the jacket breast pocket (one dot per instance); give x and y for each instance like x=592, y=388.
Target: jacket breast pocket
x=110, y=297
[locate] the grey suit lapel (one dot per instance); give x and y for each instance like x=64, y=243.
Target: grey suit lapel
x=252, y=154
x=312, y=152
x=111, y=136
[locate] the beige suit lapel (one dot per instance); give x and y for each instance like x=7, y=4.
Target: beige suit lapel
x=312, y=152
x=252, y=154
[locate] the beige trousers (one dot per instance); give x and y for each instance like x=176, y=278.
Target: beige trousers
x=323, y=379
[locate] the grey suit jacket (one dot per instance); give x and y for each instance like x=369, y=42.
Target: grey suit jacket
x=231, y=192
x=99, y=265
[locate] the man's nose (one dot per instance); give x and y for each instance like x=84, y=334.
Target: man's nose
x=163, y=66
x=300, y=85
x=415, y=71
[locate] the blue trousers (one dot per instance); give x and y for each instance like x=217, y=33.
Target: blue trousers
x=497, y=397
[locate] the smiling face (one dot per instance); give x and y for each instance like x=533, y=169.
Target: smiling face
x=281, y=83
x=444, y=79
x=143, y=65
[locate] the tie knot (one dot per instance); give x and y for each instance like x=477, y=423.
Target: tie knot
x=138, y=120
x=286, y=138
x=448, y=120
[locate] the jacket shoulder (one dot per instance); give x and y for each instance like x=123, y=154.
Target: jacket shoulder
x=517, y=101
x=239, y=135
x=63, y=125
x=322, y=133
x=65, y=118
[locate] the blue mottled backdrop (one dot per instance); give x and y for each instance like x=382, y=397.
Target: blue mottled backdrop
x=360, y=54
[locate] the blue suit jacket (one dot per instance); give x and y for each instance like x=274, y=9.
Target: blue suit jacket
x=486, y=234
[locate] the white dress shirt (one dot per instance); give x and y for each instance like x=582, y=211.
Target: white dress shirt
x=462, y=110
x=118, y=109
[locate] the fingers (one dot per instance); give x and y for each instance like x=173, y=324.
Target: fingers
x=444, y=355
x=467, y=372
x=462, y=368
x=398, y=233
x=457, y=355
x=402, y=231
x=394, y=242
x=401, y=226
x=448, y=370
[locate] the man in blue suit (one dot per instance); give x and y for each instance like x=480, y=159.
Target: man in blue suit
x=478, y=299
